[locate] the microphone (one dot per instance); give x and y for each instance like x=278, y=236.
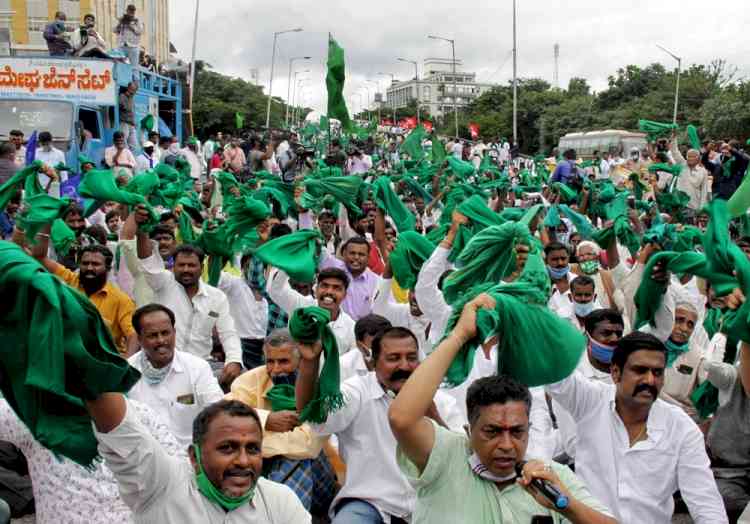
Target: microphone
x=549, y=491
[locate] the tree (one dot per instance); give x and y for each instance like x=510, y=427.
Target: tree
x=578, y=87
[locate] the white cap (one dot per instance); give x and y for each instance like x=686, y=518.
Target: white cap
x=148, y=143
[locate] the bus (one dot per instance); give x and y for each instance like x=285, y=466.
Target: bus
x=614, y=141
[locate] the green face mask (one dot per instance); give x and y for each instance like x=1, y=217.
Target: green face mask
x=213, y=493
x=589, y=267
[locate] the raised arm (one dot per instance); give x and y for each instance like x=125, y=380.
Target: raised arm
x=144, y=247
x=107, y=410
x=413, y=431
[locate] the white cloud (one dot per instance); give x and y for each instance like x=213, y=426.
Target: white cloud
x=595, y=37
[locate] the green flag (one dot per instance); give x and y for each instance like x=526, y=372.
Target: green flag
x=239, y=120
x=335, y=84
x=438, y=150
x=413, y=143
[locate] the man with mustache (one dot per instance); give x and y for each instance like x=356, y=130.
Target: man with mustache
x=330, y=289
x=175, y=384
x=94, y=263
x=292, y=453
x=635, y=450
x=222, y=482
x=375, y=490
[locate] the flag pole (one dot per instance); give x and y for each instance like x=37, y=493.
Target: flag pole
x=515, y=80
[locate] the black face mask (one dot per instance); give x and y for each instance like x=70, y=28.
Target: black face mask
x=285, y=379
x=149, y=151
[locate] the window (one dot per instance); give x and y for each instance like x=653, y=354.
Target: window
x=426, y=92
x=88, y=119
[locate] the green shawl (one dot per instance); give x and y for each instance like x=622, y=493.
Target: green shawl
x=25, y=177
x=387, y=200
x=297, y=254
x=521, y=316
x=62, y=237
x=411, y=252
x=617, y=211
x=38, y=211
x=345, y=189
x=282, y=398
x=58, y=353
x=655, y=130
x=308, y=325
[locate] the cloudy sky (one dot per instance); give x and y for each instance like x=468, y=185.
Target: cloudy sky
x=595, y=37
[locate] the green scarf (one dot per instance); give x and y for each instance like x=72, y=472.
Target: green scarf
x=673, y=170
x=387, y=200
x=438, y=151
x=412, y=145
x=62, y=237
x=726, y=168
x=38, y=211
x=521, y=315
x=215, y=242
x=244, y=214
x=581, y=223
x=345, y=189
x=214, y=494
x=297, y=254
x=461, y=168
x=489, y=257
x=739, y=202
x=695, y=141
x=56, y=353
x=100, y=186
x=308, y=325
x=655, y=130
x=621, y=229
x=25, y=177
x=411, y=252
x=674, y=350
x=282, y=398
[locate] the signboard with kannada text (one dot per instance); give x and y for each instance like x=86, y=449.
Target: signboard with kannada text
x=73, y=80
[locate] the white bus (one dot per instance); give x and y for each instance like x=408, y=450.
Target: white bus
x=607, y=140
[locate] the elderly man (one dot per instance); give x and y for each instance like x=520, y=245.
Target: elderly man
x=587, y=256
x=635, y=450
x=693, y=180
x=192, y=155
x=175, y=384
x=474, y=478
x=292, y=453
x=375, y=490
x=199, y=307
x=118, y=157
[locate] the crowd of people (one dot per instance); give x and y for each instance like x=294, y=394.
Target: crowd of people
x=361, y=327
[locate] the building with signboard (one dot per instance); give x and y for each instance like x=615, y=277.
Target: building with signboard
x=435, y=90
x=22, y=23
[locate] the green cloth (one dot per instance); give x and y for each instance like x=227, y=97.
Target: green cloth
x=344, y=189
x=521, y=315
x=692, y=133
x=282, y=398
x=214, y=494
x=239, y=120
x=309, y=325
x=567, y=193
x=581, y=223
x=297, y=254
x=705, y=399
x=144, y=184
x=38, y=211
x=57, y=353
x=655, y=130
x=412, y=145
x=674, y=169
x=25, y=177
x=438, y=151
x=726, y=168
x=100, y=186
x=488, y=257
x=617, y=211
x=335, y=79
x=216, y=243
x=688, y=239
x=62, y=237
x=461, y=168
x=147, y=122
x=387, y=200
x=737, y=204
x=185, y=227
x=244, y=215
x=411, y=252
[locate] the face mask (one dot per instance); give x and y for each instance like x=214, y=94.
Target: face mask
x=589, y=267
x=151, y=374
x=481, y=471
x=558, y=273
x=212, y=493
x=601, y=352
x=285, y=378
x=674, y=350
x=583, y=309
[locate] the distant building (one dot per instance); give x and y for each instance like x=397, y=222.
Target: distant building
x=22, y=23
x=436, y=91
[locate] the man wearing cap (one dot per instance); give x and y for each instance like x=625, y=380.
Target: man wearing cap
x=145, y=160
x=190, y=152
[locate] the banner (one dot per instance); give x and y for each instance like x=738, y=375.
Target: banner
x=427, y=126
x=474, y=130
x=386, y=122
x=89, y=81
x=410, y=122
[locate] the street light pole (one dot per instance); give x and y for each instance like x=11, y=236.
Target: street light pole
x=677, y=85
x=515, y=80
x=192, y=65
x=455, y=88
x=393, y=101
x=294, y=93
x=270, y=80
x=377, y=87
x=416, y=82
x=289, y=85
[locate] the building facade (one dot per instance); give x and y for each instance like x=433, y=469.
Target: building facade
x=22, y=23
x=435, y=90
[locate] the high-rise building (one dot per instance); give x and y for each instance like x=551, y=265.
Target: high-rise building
x=435, y=90
x=22, y=23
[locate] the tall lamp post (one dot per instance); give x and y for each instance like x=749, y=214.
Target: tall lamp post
x=416, y=81
x=677, y=86
x=294, y=93
x=393, y=101
x=270, y=80
x=367, y=90
x=455, y=89
x=377, y=86
x=289, y=85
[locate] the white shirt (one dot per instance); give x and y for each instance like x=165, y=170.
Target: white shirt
x=50, y=158
x=250, y=315
x=368, y=447
x=399, y=315
x=162, y=489
x=429, y=296
x=196, y=167
x=457, y=150
x=561, y=301
x=638, y=483
x=352, y=364
x=196, y=318
x=144, y=162
x=67, y=492
x=188, y=387
x=278, y=288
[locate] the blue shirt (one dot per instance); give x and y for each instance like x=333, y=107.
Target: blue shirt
x=563, y=172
